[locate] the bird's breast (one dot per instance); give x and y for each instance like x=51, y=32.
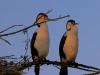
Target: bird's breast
x=42, y=43
x=71, y=47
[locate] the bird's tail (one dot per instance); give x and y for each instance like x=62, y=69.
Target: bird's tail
x=63, y=70
x=37, y=69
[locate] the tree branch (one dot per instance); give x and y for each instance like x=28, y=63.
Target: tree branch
x=94, y=73
x=72, y=65
x=25, y=63
x=5, y=40
x=9, y=28
x=55, y=19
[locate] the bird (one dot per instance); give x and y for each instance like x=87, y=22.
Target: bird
x=68, y=46
x=40, y=41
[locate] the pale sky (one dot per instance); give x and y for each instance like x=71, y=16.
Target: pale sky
x=85, y=12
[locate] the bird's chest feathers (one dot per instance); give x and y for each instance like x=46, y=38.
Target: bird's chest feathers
x=42, y=39
x=71, y=46
x=42, y=34
x=71, y=40
x=71, y=37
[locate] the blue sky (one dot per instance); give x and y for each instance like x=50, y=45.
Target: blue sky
x=85, y=12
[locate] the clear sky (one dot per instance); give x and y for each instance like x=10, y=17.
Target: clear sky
x=85, y=12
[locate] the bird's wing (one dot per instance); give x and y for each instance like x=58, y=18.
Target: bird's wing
x=33, y=49
x=34, y=53
x=61, y=53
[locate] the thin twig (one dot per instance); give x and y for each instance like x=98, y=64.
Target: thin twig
x=95, y=73
x=55, y=19
x=56, y=67
x=9, y=28
x=49, y=11
x=27, y=44
x=82, y=65
x=84, y=69
x=5, y=40
x=8, y=57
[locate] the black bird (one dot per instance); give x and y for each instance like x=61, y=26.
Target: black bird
x=40, y=41
x=68, y=47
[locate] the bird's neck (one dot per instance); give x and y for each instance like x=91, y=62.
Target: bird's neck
x=74, y=30
x=43, y=27
x=42, y=24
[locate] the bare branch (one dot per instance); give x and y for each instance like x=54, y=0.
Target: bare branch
x=49, y=11
x=89, y=67
x=9, y=28
x=72, y=65
x=94, y=73
x=25, y=64
x=86, y=69
x=8, y=57
x=5, y=40
x=55, y=19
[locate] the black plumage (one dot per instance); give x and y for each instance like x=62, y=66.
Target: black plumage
x=63, y=70
x=61, y=46
x=68, y=46
x=33, y=49
x=40, y=41
x=34, y=53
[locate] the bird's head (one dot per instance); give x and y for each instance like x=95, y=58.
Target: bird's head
x=70, y=24
x=41, y=18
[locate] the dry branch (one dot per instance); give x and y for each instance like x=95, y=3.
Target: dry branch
x=9, y=28
x=55, y=19
x=94, y=73
x=17, y=68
